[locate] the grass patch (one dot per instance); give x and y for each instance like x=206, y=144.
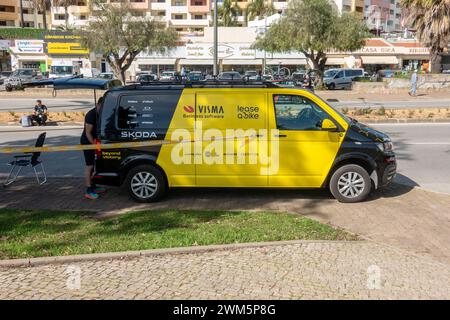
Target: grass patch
x=25, y=234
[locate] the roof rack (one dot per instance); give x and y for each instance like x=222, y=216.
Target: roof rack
x=180, y=84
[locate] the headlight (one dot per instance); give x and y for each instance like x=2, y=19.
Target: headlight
x=386, y=146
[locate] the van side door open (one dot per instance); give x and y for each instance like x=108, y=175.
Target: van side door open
x=306, y=151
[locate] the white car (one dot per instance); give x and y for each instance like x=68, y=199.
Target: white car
x=167, y=75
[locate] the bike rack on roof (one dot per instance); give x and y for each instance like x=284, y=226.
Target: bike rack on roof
x=179, y=84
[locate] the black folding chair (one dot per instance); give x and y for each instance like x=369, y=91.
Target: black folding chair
x=25, y=160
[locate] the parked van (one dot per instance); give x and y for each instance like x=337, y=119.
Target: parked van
x=217, y=134
x=341, y=78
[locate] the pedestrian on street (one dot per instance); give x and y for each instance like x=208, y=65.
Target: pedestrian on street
x=40, y=113
x=414, y=78
x=88, y=137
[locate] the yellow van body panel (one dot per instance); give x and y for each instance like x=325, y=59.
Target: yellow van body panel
x=305, y=157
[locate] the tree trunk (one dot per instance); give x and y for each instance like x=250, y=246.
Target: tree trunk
x=44, y=18
x=66, y=17
x=319, y=60
x=436, y=60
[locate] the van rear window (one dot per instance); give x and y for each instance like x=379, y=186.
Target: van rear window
x=153, y=111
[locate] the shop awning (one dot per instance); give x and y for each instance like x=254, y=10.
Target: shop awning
x=242, y=62
x=196, y=62
x=335, y=61
x=286, y=62
x=32, y=58
x=379, y=60
x=156, y=61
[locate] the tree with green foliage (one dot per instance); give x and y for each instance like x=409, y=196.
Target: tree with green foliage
x=314, y=27
x=259, y=9
x=120, y=37
x=227, y=13
x=431, y=19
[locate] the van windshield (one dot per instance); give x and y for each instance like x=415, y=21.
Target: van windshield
x=330, y=73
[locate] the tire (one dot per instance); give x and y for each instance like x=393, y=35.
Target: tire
x=350, y=193
x=155, y=188
x=331, y=86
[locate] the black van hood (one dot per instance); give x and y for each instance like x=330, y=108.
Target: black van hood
x=367, y=132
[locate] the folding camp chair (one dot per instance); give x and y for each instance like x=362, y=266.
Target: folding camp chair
x=25, y=160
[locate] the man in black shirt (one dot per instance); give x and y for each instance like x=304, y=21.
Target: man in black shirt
x=40, y=113
x=88, y=137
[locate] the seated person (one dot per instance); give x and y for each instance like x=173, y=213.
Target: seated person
x=40, y=113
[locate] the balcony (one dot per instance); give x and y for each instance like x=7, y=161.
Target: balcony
x=139, y=4
x=9, y=3
x=178, y=9
x=189, y=22
x=198, y=6
x=159, y=5
x=77, y=10
x=9, y=16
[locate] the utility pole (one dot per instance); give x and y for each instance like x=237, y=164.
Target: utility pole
x=216, y=46
x=22, y=23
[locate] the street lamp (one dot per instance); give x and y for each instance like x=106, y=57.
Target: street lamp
x=216, y=46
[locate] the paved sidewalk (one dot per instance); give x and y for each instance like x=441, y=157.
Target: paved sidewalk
x=402, y=216
x=308, y=270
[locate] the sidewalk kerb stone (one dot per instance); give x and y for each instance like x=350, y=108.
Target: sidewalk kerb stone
x=32, y=262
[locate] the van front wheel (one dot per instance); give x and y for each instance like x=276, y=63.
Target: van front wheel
x=350, y=183
x=146, y=183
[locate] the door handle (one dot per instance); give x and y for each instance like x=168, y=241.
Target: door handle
x=281, y=135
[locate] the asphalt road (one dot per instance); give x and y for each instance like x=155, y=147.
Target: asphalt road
x=423, y=152
x=84, y=104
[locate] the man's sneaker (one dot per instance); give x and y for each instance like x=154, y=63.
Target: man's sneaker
x=99, y=190
x=91, y=195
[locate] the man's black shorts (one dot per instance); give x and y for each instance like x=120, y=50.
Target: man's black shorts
x=89, y=157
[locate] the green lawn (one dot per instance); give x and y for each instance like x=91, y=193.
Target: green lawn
x=26, y=234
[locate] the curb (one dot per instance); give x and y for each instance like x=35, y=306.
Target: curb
x=33, y=262
x=400, y=121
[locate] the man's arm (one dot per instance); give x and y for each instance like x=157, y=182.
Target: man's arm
x=89, y=128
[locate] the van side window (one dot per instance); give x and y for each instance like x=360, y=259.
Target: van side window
x=297, y=113
x=340, y=74
x=153, y=111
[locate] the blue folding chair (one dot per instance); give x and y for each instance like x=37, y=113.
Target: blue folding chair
x=28, y=160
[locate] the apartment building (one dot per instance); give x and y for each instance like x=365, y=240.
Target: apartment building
x=10, y=14
x=355, y=6
x=385, y=15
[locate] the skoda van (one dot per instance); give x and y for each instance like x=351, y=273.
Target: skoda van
x=236, y=134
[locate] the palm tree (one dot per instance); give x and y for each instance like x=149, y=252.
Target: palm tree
x=259, y=8
x=227, y=13
x=42, y=6
x=431, y=19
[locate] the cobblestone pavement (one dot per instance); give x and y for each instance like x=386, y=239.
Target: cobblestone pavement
x=401, y=216
x=308, y=270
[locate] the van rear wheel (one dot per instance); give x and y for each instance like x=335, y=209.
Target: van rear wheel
x=350, y=183
x=146, y=183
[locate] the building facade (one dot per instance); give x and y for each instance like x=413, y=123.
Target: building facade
x=10, y=14
x=384, y=15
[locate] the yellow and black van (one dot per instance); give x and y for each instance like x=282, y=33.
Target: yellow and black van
x=237, y=134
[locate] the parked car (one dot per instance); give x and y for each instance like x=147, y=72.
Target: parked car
x=168, y=75
x=195, y=76
x=251, y=75
x=388, y=73
x=4, y=75
x=298, y=76
x=19, y=76
x=267, y=77
x=341, y=78
x=230, y=75
x=106, y=75
x=146, y=77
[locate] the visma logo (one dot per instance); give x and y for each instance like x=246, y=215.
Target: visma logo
x=210, y=109
x=188, y=109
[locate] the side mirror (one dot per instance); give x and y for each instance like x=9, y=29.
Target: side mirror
x=328, y=125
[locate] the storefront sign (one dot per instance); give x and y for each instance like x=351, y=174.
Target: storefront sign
x=72, y=48
x=5, y=44
x=225, y=50
x=29, y=46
